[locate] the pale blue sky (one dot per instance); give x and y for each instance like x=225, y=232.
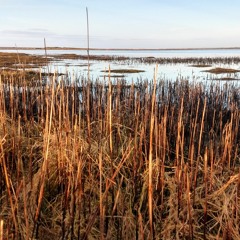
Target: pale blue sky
x=121, y=24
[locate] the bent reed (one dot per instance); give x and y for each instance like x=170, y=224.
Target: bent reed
x=108, y=160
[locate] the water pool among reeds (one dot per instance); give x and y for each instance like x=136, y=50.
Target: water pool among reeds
x=172, y=64
x=191, y=65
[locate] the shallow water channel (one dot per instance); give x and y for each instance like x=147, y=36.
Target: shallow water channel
x=165, y=71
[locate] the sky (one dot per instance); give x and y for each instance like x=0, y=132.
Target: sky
x=120, y=24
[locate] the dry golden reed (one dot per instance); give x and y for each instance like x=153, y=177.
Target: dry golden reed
x=83, y=159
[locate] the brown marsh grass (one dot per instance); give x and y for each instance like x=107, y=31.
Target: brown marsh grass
x=84, y=159
x=21, y=59
x=124, y=71
x=222, y=70
x=195, y=61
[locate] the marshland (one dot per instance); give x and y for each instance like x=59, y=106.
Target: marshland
x=122, y=147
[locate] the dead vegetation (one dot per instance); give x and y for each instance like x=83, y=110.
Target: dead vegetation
x=92, y=160
x=219, y=70
x=21, y=60
x=200, y=65
x=123, y=71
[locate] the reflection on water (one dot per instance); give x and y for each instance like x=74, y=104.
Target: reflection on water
x=165, y=71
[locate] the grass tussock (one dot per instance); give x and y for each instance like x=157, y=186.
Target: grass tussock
x=94, y=160
x=222, y=70
x=124, y=71
x=200, y=65
x=227, y=79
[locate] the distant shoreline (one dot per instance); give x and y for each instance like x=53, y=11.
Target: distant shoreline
x=117, y=49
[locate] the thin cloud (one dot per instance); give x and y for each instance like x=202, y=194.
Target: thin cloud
x=34, y=37
x=30, y=32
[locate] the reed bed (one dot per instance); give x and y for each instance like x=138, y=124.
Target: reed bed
x=87, y=159
x=204, y=61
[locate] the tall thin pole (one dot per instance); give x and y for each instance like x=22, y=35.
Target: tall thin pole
x=46, y=58
x=88, y=84
x=88, y=42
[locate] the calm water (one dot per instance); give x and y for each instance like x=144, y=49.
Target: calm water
x=165, y=71
x=145, y=53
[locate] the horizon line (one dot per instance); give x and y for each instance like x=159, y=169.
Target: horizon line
x=117, y=49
